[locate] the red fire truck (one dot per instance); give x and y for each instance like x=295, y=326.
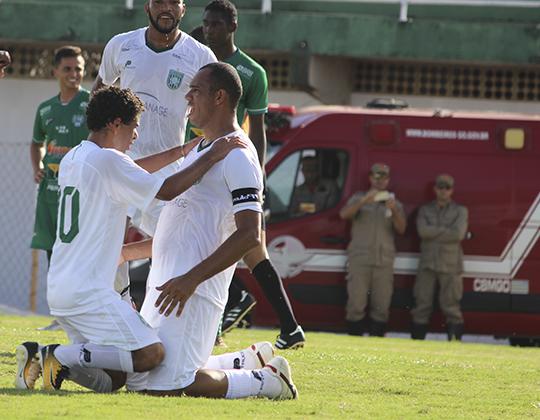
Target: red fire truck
x=495, y=160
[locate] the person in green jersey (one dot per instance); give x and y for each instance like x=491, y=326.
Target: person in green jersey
x=220, y=21
x=60, y=124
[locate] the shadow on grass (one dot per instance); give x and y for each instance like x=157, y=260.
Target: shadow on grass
x=32, y=392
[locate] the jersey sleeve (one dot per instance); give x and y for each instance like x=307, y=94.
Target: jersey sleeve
x=244, y=179
x=108, y=70
x=38, y=134
x=257, y=96
x=127, y=182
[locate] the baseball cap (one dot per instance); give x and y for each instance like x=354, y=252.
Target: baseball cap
x=379, y=170
x=444, y=180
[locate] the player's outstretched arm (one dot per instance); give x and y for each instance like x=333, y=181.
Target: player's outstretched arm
x=246, y=237
x=154, y=163
x=184, y=179
x=257, y=134
x=136, y=251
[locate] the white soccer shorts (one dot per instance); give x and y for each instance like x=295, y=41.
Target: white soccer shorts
x=188, y=341
x=115, y=324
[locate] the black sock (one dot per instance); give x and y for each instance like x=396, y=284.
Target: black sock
x=272, y=286
x=235, y=293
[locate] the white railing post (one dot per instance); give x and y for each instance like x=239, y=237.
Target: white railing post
x=266, y=6
x=403, y=11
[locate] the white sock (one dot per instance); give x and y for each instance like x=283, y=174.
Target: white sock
x=95, y=379
x=94, y=356
x=251, y=383
x=243, y=359
x=137, y=381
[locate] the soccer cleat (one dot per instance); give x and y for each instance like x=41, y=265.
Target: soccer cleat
x=53, y=326
x=294, y=340
x=220, y=342
x=52, y=370
x=237, y=314
x=279, y=367
x=28, y=367
x=262, y=352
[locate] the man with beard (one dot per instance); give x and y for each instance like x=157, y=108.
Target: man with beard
x=158, y=63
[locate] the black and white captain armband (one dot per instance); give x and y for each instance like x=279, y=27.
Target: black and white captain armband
x=245, y=195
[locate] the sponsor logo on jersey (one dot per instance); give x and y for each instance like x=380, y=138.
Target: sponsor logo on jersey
x=53, y=149
x=174, y=79
x=180, y=202
x=177, y=56
x=244, y=70
x=61, y=129
x=129, y=65
x=78, y=120
x=124, y=49
x=154, y=108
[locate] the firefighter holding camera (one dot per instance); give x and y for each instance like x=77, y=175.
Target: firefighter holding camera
x=376, y=216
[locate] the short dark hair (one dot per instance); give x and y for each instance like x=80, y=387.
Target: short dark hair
x=197, y=34
x=110, y=103
x=224, y=76
x=66, y=51
x=225, y=7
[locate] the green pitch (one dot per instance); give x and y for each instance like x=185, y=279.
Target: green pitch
x=336, y=375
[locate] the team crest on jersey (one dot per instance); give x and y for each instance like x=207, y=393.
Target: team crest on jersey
x=174, y=79
x=78, y=120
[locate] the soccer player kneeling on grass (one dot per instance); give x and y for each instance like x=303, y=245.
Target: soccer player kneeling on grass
x=199, y=238
x=98, y=182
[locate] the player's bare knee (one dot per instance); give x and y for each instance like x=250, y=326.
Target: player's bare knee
x=148, y=357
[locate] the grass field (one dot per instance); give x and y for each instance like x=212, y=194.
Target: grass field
x=337, y=376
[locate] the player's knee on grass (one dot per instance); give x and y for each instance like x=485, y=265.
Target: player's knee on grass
x=208, y=383
x=148, y=357
x=118, y=379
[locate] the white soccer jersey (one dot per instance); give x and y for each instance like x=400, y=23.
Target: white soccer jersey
x=160, y=79
x=197, y=222
x=97, y=185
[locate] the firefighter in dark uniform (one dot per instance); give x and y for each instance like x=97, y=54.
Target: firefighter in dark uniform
x=442, y=225
x=376, y=216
